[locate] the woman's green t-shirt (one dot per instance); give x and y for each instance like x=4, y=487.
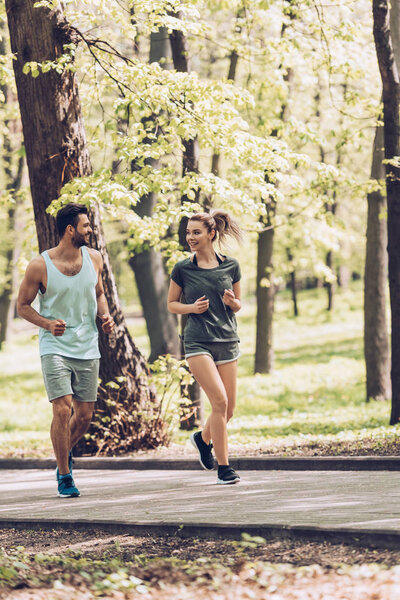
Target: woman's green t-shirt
x=218, y=323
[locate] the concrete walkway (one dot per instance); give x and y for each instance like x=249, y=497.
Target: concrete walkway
x=347, y=506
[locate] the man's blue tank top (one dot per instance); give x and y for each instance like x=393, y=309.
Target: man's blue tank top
x=73, y=299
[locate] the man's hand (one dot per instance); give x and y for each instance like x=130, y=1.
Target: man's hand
x=57, y=327
x=201, y=305
x=228, y=298
x=107, y=324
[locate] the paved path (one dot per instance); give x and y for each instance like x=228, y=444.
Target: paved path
x=332, y=501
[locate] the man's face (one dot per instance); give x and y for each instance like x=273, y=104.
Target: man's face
x=82, y=231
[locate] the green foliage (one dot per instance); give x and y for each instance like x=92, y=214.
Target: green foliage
x=265, y=159
x=315, y=398
x=171, y=378
x=64, y=63
x=18, y=568
x=119, y=427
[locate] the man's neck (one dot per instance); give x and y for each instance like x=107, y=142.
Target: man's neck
x=67, y=251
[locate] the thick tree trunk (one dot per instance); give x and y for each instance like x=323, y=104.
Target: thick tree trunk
x=391, y=99
x=190, y=163
x=376, y=343
x=56, y=152
x=148, y=266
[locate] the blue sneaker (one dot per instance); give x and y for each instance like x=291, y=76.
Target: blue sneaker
x=70, y=463
x=66, y=487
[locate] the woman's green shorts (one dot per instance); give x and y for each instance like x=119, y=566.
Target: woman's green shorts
x=220, y=352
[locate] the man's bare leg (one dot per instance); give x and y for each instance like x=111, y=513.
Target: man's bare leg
x=80, y=421
x=60, y=431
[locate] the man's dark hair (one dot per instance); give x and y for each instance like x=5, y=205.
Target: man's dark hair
x=69, y=215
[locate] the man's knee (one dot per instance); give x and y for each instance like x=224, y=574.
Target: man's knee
x=83, y=414
x=84, y=420
x=62, y=408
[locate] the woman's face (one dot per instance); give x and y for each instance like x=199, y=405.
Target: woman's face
x=197, y=235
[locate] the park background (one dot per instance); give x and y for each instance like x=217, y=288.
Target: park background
x=271, y=110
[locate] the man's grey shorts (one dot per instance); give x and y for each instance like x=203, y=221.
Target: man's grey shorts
x=220, y=352
x=64, y=375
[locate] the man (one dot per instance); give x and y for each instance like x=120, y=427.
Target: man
x=68, y=281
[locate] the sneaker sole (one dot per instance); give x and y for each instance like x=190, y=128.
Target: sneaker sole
x=200, y=461
x=68, y=495
x=222, y=482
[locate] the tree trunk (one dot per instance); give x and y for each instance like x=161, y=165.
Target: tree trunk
x=56, y=152
x=265, y=294
x=13, y=178
x=293, y=283
x=330, y=207
x=376, y=344
x=264, y=355
x=391, y=99
x=190, y=163
x=330, y=285
x=148, y=266
x=233, y=61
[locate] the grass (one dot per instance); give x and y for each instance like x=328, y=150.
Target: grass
x=316, y=392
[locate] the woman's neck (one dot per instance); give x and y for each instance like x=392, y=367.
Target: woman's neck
x=206, y=256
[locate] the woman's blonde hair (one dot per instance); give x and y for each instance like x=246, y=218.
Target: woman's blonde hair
x=221, y=222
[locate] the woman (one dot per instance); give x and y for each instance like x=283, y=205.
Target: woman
x=210, y=284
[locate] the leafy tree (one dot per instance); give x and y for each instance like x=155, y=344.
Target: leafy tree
x=57, y=152
x=148, y=264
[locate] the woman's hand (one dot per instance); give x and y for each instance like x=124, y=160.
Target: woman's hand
x=201, y=305
x=229, y=298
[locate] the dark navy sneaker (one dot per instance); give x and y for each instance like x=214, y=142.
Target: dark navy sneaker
x=227, y=475
x=66, y=487
x=205, y=455
x=70, y=463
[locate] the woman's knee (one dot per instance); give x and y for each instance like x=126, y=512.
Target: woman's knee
x=220, y=404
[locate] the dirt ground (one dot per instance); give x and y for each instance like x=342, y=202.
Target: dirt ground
x=96, y=543
x=173, y=568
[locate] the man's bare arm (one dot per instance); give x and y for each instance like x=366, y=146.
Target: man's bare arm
x=27, y=293
x=102, y=305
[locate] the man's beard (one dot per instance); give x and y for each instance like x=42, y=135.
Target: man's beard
x=79, y=240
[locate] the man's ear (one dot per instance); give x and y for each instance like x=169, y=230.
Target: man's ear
x=70, y=229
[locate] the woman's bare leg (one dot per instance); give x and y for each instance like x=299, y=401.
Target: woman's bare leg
x=228, y=374
x=206, y=374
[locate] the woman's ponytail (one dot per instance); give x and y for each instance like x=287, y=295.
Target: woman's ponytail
x=225, y=225
x=221, y=222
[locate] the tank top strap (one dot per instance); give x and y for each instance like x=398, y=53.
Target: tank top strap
x=49, y=263
x=87, y=262
x=85, y=256
x=46, y=257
